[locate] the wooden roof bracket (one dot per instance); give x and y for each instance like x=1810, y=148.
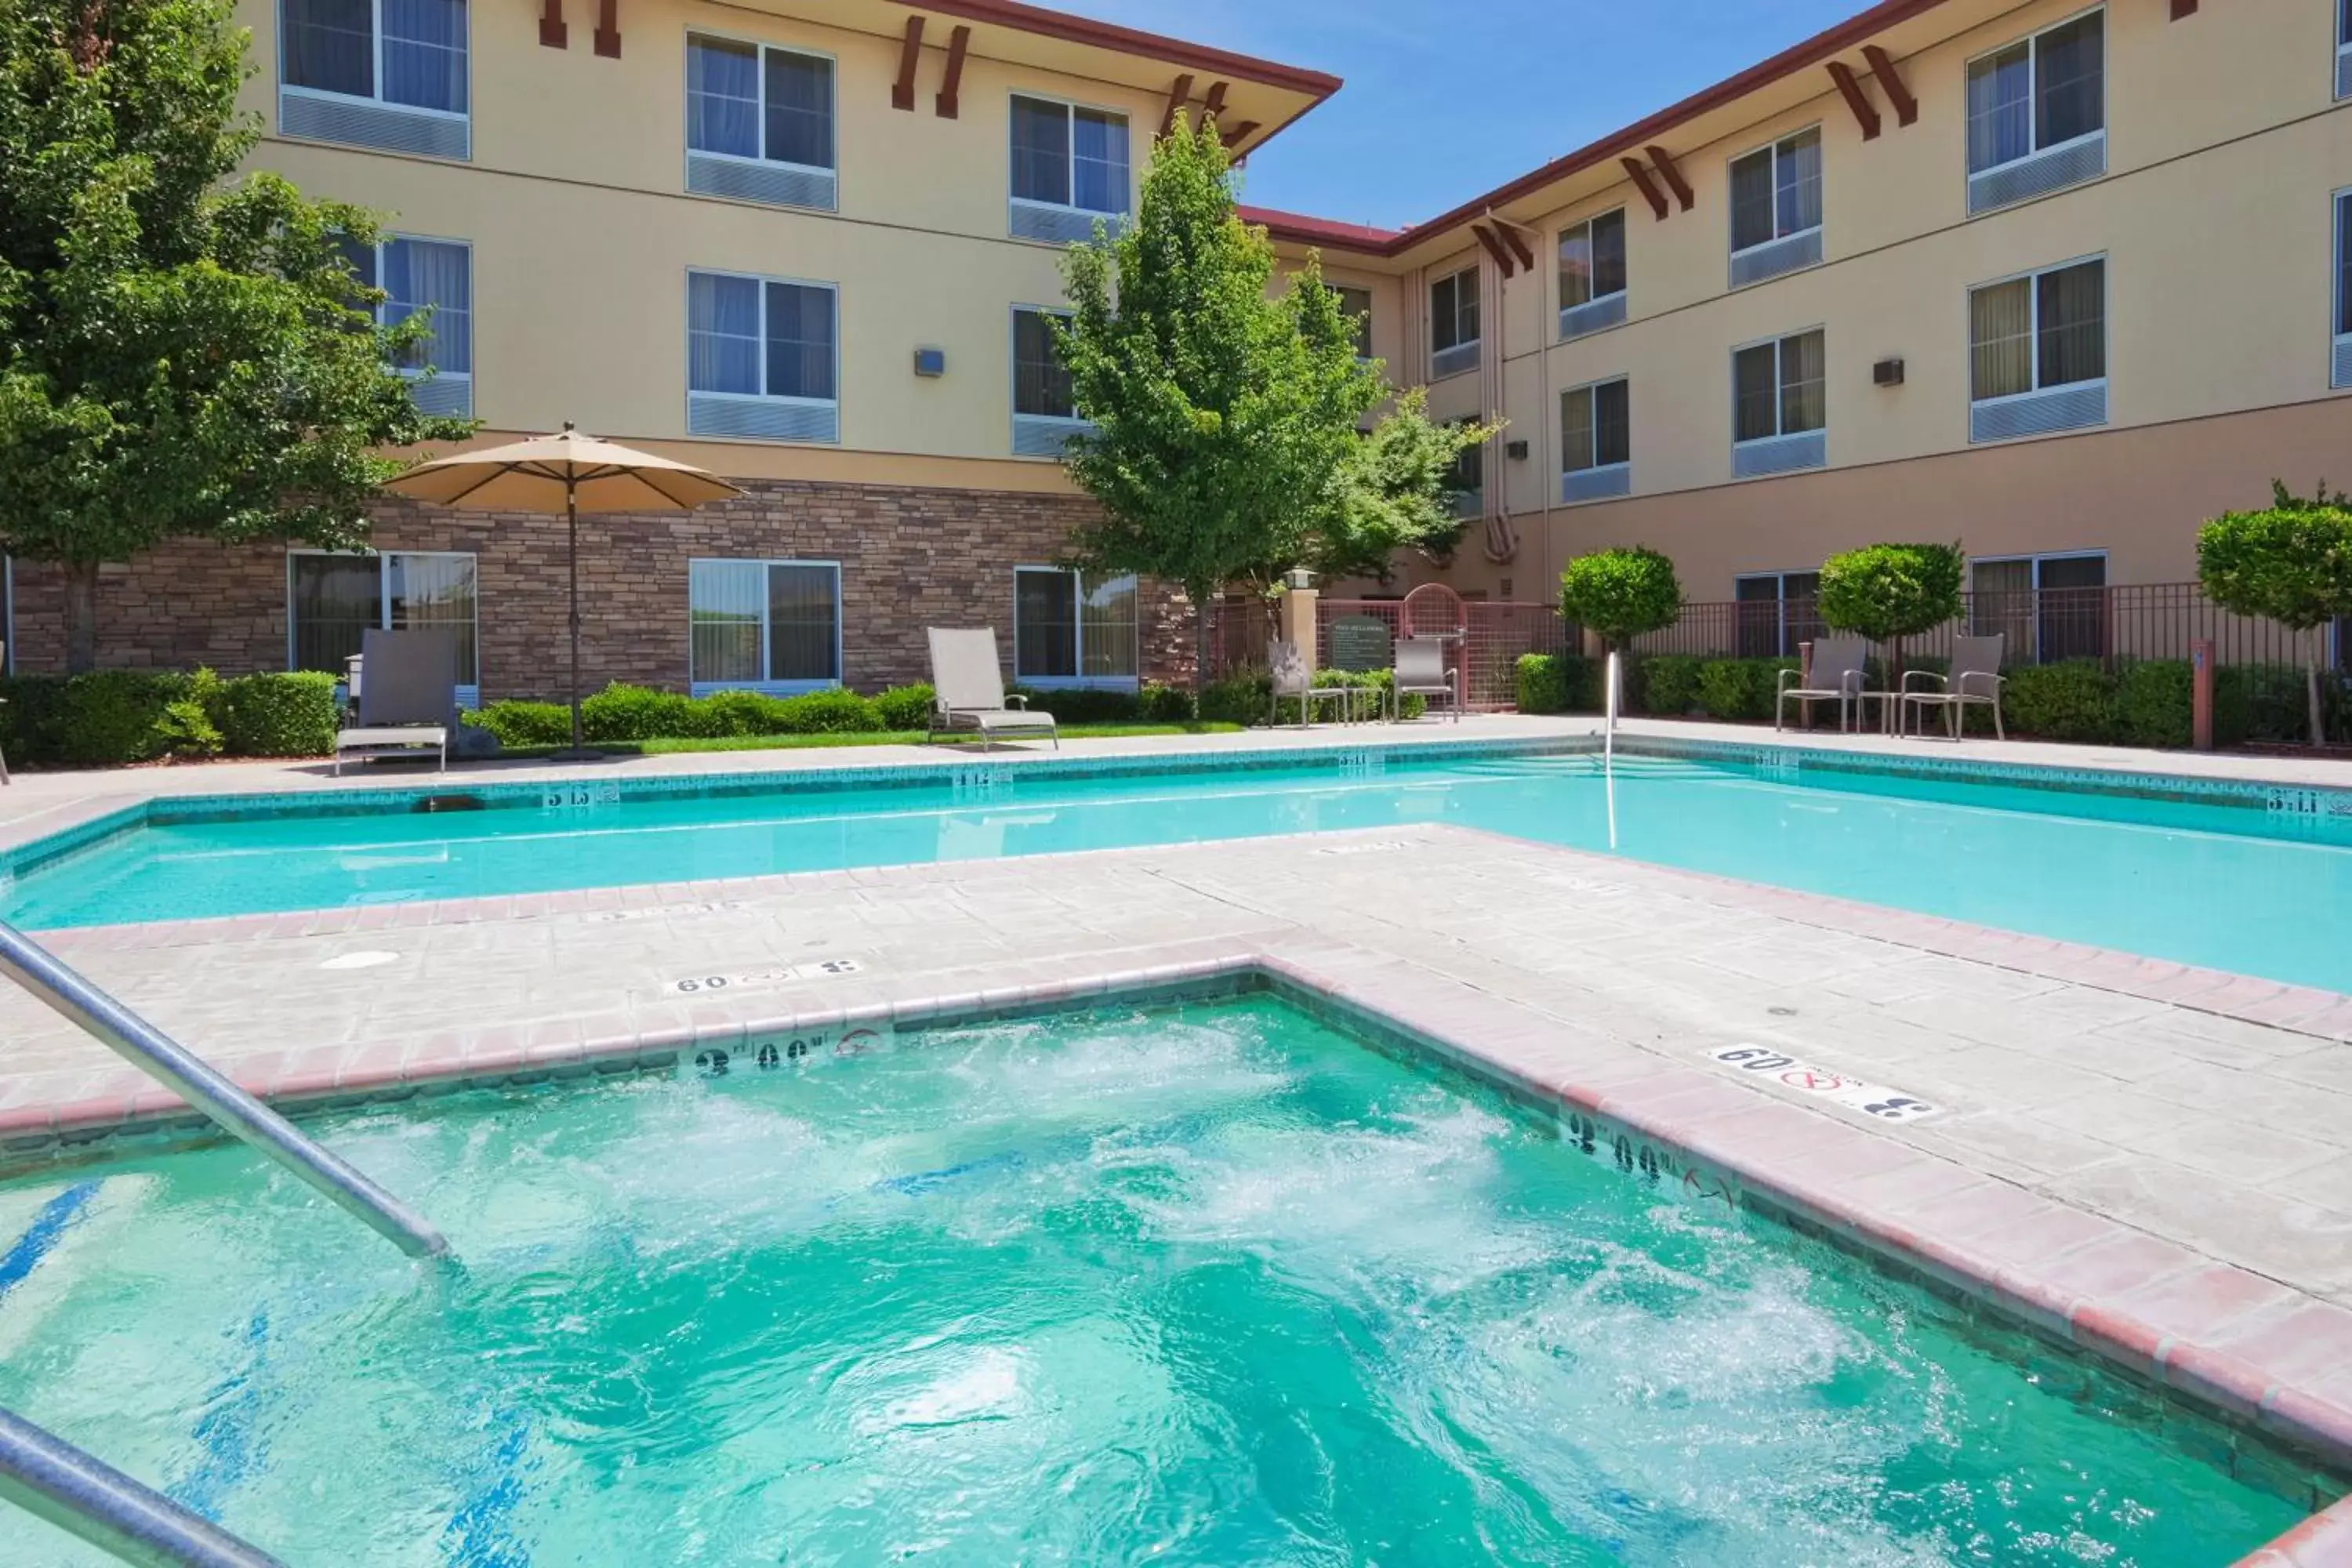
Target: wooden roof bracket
x=1890, y=82
x=1855, y=98
x=1242, y=131
x=1639, y=172
x=910, y=55
x=946, y=104
x=1672, y=176
x=552, y=33
x=1493, y=249
x=608, y=29
x=1178, y=97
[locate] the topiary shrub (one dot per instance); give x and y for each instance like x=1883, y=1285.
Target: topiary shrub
x=273, y=715
x=526, y=723
x=835, y=712
x=906, y=707
x=1889, y=592
x=2291, y=564
x=623, y=712
x=1740, y=691
x=1157, y=704
x=2071, y=701
x=1560, y=683
x=1621, y=594
x=1670, y=683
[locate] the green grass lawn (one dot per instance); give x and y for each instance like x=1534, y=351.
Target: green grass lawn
x=862, y=738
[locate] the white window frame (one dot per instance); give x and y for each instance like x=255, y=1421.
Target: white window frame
x=1065, y=425
x=1364, y=354
x=1080, y=683
x=1070, y=106
x=375, y=39
x=419, y=372
x=1586, y=223
x=2342, y=85
x=2036, y=274
x=765, y=48
x=2036, y=588
x=686, y=338
x=700, y=687
x=1475, y=344
x=1779, y=389
x=2340, y=211
x=1592, y=388
x=2032, y=88
x=2037, y=557
x=1783, y=647
x=1773, y=147
x=469, y=694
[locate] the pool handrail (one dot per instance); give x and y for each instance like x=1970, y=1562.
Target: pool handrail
x=93, y=1501
x=184, y=1072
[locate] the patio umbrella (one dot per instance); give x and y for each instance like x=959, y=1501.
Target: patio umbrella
x=568, y=473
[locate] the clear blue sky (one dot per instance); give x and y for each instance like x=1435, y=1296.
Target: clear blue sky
x=1445, y=99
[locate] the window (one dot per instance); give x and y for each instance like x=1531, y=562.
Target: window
x=376, y=73
x=2344, y=49
x=1776, y=208
x=1069, y=166
x=765, y=625
x=330, y=599
x=1776, y=612
x=1356, y=304
x=437, y=276
x=2341, y=370
x=2038, y=352
x=1596, y=441
x=2046, y=608
x=1779, y=405
x=760, y=358
x=759, y=124
x=2037, y=113
x=1071, y=632
x=1592, y=275
x=1045, y=405
x=1467, y=482
x=1453, y=323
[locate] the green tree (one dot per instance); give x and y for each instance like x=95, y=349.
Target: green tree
x=1396, y=494
x=2291, y=562
x=1224, y=413
x=181, y=353
x=1890, y=592
x=1620, y=594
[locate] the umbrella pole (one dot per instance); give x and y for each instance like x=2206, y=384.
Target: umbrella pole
x=571, y=513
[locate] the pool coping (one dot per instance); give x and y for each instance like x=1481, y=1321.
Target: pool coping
x=2228, y=1344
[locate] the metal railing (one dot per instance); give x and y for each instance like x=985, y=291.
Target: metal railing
x=192, y=1079
x=2042, y=626
x=95, y=1502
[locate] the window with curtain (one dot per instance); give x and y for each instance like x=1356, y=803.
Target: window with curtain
x=1469, y=475
x=758, y=337
x=764, y=623
x=1040, y=385
x=332, y=599
x=2344, y=259
x=1068, y=626
x=435, y=276
x=1776, y=191
x=2037, y=92
x=1070, y=157
x=1596, y=426
x=409, y=52
x=1356, y=304
x=1776, y=612
x=746, y=100
x=1593, y=261
x=1454, y=310
x=1781, y=388
x=2032, y=334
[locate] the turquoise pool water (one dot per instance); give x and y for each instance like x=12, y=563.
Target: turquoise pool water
x=1208, y=1286
x=2203, y=884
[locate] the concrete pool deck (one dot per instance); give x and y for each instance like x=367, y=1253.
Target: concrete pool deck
x=2156, y=1160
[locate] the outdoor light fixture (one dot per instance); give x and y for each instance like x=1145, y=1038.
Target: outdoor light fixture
x=1298, y=579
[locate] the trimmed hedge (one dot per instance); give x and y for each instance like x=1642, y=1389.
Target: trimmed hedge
x=1560, y=683
x=526, y=723
x=1670, y=683
x=111, y=717
x=1740, y=691
x=278, y=715
x=906, y=707
x=2074, y=700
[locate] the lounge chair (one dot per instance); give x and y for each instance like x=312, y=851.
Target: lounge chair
x=1975, y=678
x=1838, y=673
x=968, y=686
x=1294, y=682
x=407, y=702
x=1421, y=670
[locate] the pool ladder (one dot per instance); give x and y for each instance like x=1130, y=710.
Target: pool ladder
x=49, y=1476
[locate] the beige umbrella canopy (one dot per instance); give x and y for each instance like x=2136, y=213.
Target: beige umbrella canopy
x=568, y=473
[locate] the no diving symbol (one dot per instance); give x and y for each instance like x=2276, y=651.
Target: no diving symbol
x=1811, y=1081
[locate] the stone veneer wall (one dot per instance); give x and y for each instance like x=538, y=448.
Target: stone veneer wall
x=909, y=559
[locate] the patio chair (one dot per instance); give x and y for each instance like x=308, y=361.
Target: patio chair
x=408, y=703
x=1838, y=673
x=968, y=686
x=1421, y=670
x=1294, y=682
x=1975, y=678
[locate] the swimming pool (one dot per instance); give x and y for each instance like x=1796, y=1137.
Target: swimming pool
x=2196, y=881
x=1202, y=1285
